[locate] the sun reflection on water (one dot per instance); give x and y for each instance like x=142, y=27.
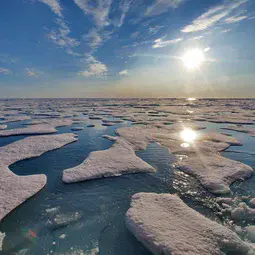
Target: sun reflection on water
x=188, y=136
x=191, y=99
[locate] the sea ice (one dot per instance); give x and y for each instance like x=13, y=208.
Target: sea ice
x=243, y=213
x=249, y=131
x=15, y=189
x=2, y=236
x=30, y=130
x=117, y=160
x=47, y=127
x=214, y=172
x=166, y=225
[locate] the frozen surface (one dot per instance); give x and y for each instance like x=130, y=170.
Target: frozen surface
x=15, y=189
x=2, y=235
x=119, y=159
x=166, y=225
x=37, y=129
x=170, y=137
x=215, y=172
x=91, y=214
x=242, y=129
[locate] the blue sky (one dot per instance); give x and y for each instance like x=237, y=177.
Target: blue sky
x=126, y=48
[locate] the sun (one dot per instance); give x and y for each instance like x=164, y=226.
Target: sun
x=193, y=59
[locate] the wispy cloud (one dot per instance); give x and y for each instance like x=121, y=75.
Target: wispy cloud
x=124, y=8
x=195, y=38
x=98, y=9
x=159, y=43
x=154, y=30
x=94, y=68
x=123, y=72
x=7, y=59
x=32, y=72
x=93, y=38
x=226, y=31
x=235, y=19
x=5, y=71
x=212, y=17
x=96, y=37
x=160, y=6
x=61, y=37
x=54, y=6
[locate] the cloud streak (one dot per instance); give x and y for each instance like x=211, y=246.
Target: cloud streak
x=31, y=72
x=123, y=72
x=98, y=9
x=5, y=71
x=235, y=19
x=54, y=6
x=159, y=43
x=212, y=17
x=61, y=37
x=161, y=6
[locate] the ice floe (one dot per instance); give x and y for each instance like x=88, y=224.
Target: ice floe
x=15, y=189
x=215, y=172
x=115, y=161
x=242, y=129
x=166, y=225
x=2, y=236
x=37, y=129
x=30, y=130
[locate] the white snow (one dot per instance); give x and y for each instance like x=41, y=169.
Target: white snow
x=166, y=225
x=15, y=189
x=214, y=172
x=47, y=127
x=2, y=236
x=117, y=160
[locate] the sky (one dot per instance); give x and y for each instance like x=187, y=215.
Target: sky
x=126, y=48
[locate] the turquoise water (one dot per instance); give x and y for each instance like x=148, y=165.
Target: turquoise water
x=92, y=212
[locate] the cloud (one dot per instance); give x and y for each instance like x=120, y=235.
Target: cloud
x=94, y=39
x=123, y=72
x=196, y=38
x=212, y=17
x=226, y=31
x=32, y=72
x=124, y=8
x=235, y=19
x=54, y=6
x=159, y=43
x=98, y=9
x=154, y=30
x=94, y=68
x=161, y=6
x=5, y=71
x=7, y=59
x=61, y=37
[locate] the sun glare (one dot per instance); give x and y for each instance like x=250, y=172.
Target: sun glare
x=188, y=135
x=193, y=59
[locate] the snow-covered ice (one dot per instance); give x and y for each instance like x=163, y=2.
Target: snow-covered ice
x=215, y=172
x=166, y=225
x=115, y=161
x=15, y=189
